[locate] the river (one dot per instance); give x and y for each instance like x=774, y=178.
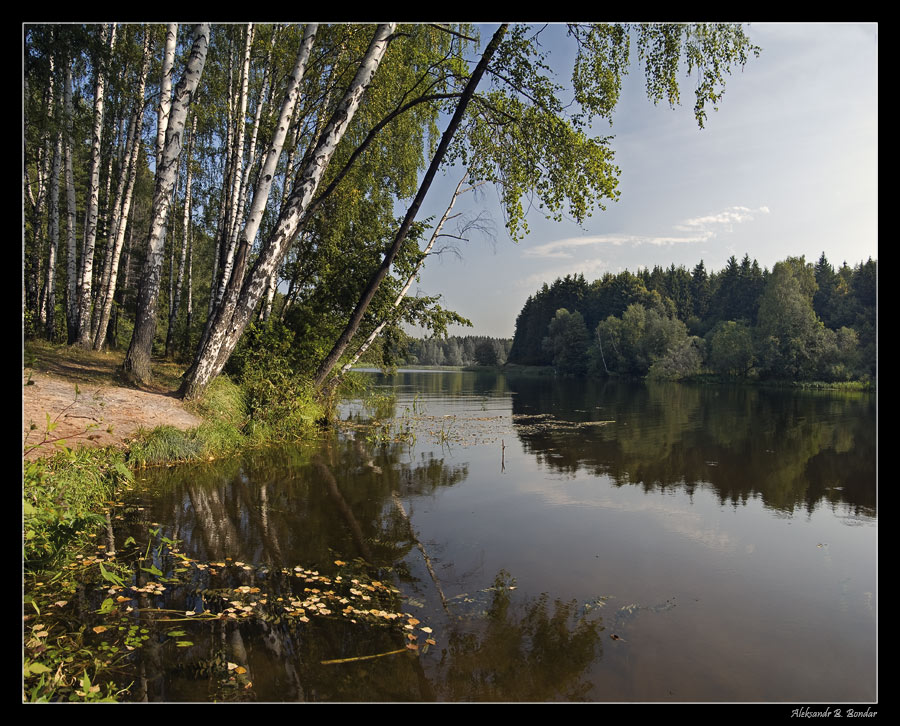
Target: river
x=500, y=538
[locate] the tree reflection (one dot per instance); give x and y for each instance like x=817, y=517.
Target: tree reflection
x=793, y=449
x=540, y=655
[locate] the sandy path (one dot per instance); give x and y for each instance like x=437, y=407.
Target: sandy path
x=84, y=419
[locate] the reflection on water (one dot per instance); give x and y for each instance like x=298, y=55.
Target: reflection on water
x=522, y=539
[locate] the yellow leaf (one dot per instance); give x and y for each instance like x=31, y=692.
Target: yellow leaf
x=240, y=669
x=99, y=629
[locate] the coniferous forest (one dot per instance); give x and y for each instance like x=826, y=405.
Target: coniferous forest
x=800, y=321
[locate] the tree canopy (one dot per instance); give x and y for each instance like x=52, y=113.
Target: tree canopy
x=301, y=142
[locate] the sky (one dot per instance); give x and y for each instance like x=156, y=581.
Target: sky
x=786, y=167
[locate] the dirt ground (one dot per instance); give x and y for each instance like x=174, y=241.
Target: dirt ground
x=102, y=413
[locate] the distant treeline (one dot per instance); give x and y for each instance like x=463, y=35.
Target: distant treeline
x=799, y=321
x=454, y=350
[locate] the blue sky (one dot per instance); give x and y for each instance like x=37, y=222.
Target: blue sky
x=786, y=166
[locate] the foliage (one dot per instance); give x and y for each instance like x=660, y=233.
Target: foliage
x=756, y=323
x=280, y=402
x=455, y=350
x=730, y=348
x=683, y=360
x=486, y=353
x=61, y=496
x=634, y=342
x=567, y=342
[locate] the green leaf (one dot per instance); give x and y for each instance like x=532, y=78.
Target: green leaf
x=153, y=570
x=35, y=668
x=110, y=577
x=107, y=606
x=124, y=471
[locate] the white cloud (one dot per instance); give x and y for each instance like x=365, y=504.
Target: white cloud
x=695, y=229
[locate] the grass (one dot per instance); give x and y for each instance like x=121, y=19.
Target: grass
x=64, y=497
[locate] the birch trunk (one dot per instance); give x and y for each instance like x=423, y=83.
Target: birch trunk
x=123, y=207
x=137, y=359
x=369, y=293
x=44, y=165
x=165, y=90
x=53, y=225
x=232, y=320
x=189, y=303
x=87, y=253
x=234, y=215
x=71, y=243
x=186, y=228
x=264, y=184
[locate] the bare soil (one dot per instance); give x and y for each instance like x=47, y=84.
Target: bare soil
x=88, y=403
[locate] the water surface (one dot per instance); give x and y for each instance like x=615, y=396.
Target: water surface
x=559, y=540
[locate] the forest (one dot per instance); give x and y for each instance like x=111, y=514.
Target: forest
x=248, y=195
x=800, y=321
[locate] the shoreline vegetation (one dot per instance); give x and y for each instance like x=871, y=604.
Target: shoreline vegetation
x=66, y=498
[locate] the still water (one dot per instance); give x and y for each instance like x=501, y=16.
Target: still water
x=505, y=538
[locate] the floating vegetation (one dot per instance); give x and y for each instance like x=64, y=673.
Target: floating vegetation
x=168, y=600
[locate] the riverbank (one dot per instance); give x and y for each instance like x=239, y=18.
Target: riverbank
x=79, y=396
x=85, y=432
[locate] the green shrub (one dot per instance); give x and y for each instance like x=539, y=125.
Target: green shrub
x=61, y=496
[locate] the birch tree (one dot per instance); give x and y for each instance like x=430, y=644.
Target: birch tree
x=53, y=233
x=71, y=210
x=137, y=359
x=435, y=235
x=165, y=90
x=369, y=293
x=122, y=205
x=186, y=231
x=87, y=254
x=241, y=301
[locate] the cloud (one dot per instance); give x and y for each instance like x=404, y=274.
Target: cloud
x=712, y=224
x=694, y=230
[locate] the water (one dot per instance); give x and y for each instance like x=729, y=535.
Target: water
x=559, y=540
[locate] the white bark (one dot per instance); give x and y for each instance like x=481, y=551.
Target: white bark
x=137, y=360
x=165, y=89
x=233, y=318
x=87, y=254
x=123, y=207
x=71, y=244
x=234, y=214
x=186, y=229
x=54, y=238
x=189, y=303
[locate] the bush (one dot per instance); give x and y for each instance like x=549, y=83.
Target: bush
x=61, y=495
x=280, y=403
x=682, y=360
